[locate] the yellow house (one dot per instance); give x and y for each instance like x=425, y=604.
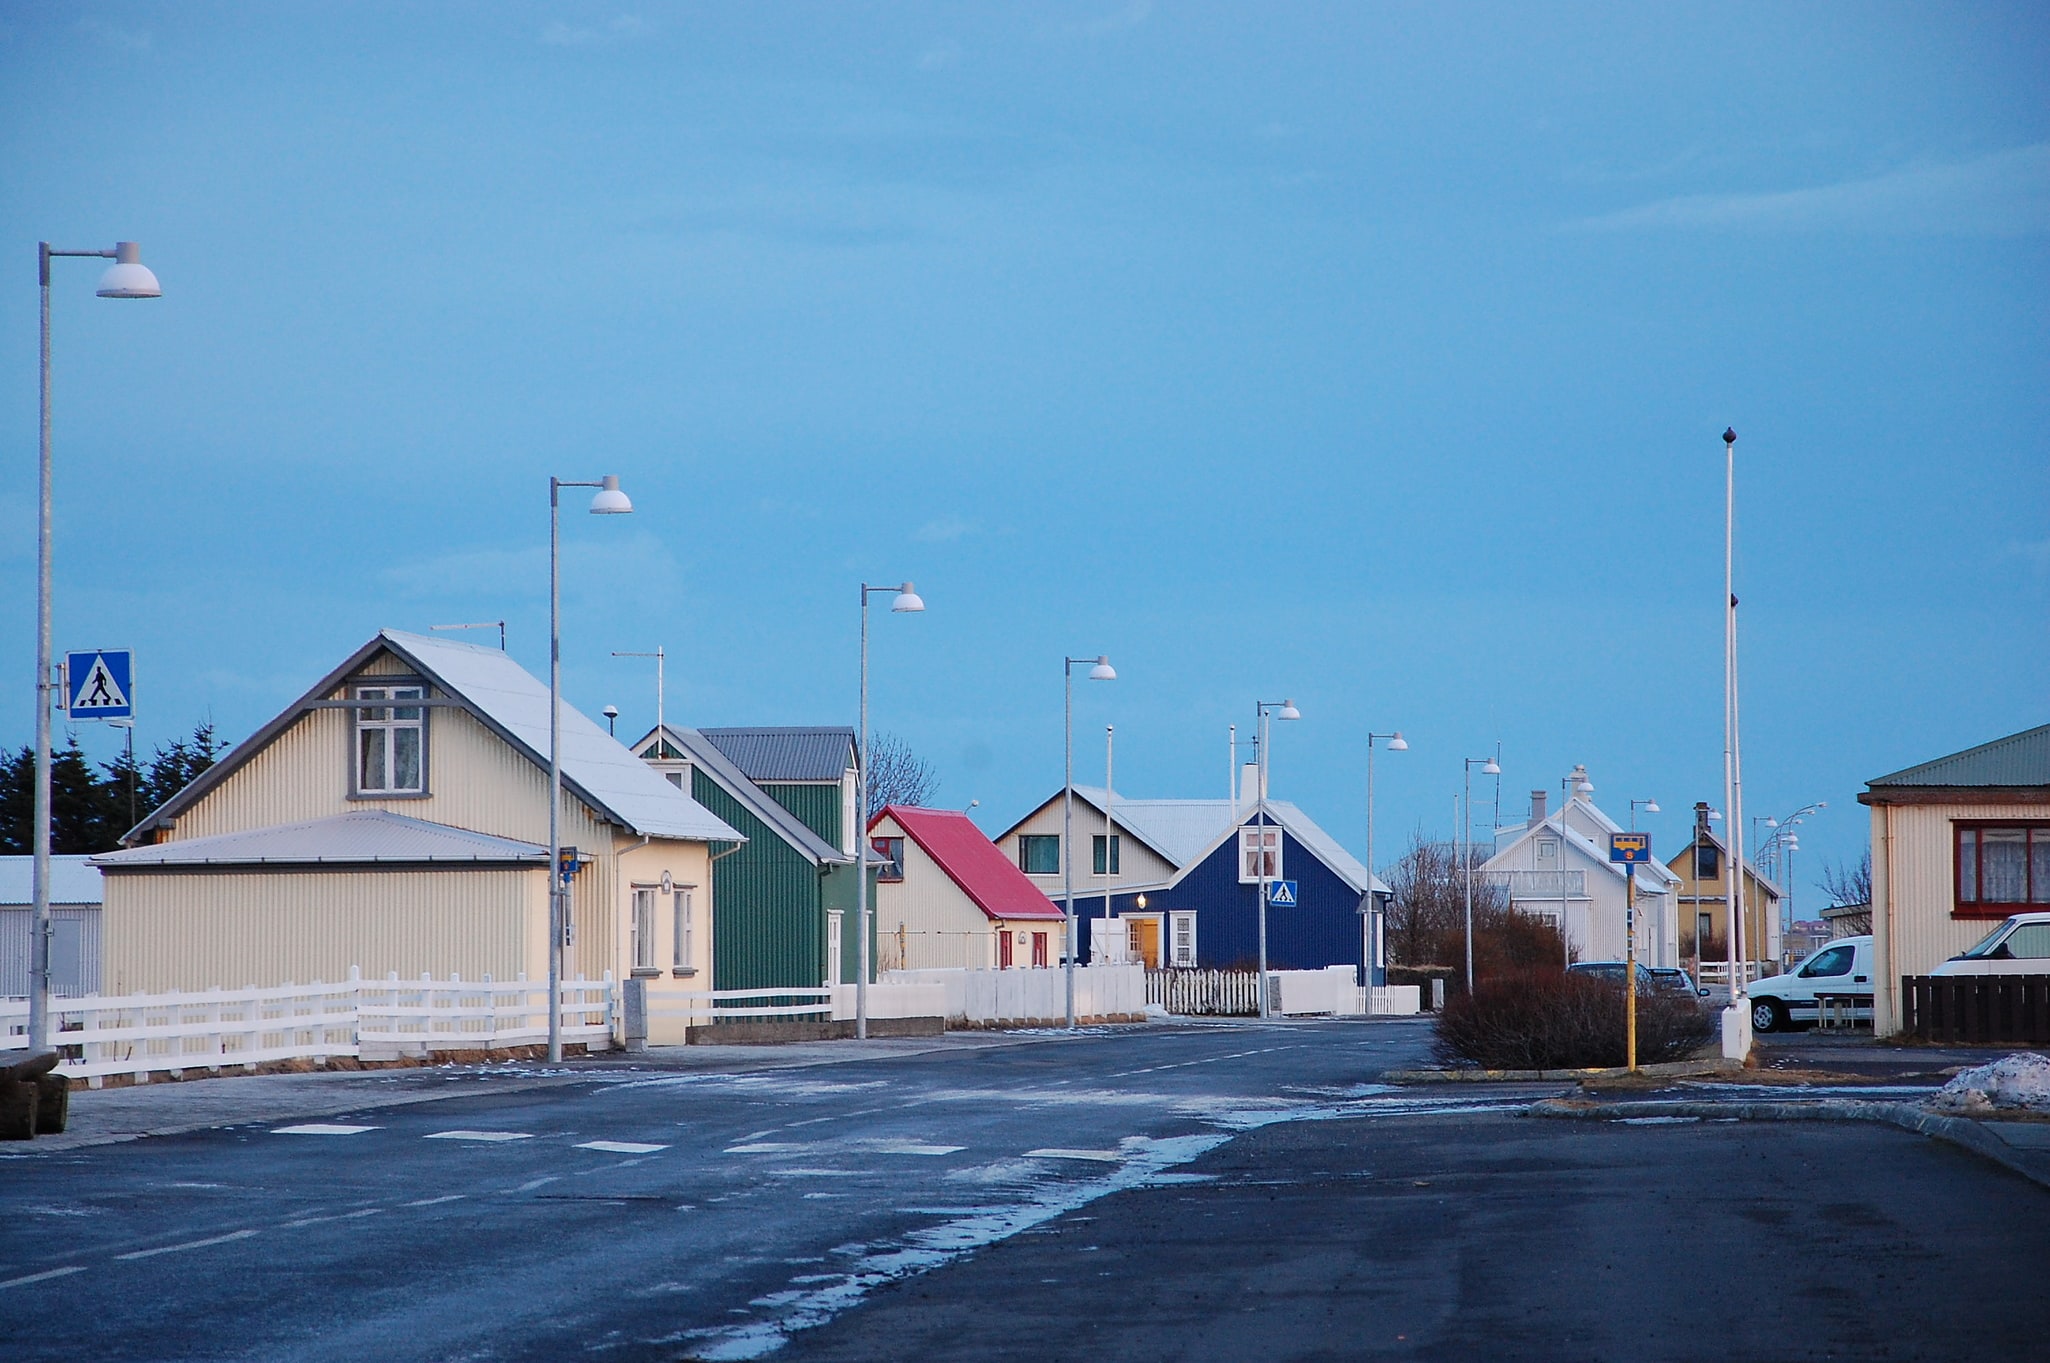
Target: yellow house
x=1704, y=894
x=395, y=818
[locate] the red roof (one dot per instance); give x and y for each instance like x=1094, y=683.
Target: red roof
x=971, y=861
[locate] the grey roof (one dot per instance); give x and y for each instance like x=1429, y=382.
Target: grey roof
x=2021, y=759
x=794, y=753
x=362, y=836
x=1186, y=831
x=72, y=880
x=758, y=802
x=511, y=702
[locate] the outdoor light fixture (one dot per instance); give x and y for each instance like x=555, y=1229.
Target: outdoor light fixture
x=1263, y=711
x=610, y=501
x=1372, y=952
x=1103, y=671
x=906, y=601
x=127, y=277
x=611, y=713
x=1100, y=671
x=1395, y=742
x=1494, y=768
x=1288, y=711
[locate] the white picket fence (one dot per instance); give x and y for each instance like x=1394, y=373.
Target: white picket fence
x=1030, y=995
x=144, y=1034
x=704, y=1006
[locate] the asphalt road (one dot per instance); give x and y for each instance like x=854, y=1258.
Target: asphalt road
x=1232, y=1190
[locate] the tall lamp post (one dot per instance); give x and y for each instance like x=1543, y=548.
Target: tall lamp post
x=1489, y=767
x=1100, y=670
x=904, y=601
x=1737, y=1017
x=1284, y=709
x=1396, y=743
x=128, y=277
x=607, y=501
x=1648, y=806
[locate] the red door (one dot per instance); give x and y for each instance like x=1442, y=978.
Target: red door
x=1039, y=950
x=1004, y=949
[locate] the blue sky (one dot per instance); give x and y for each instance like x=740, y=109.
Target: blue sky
x=1374, y=356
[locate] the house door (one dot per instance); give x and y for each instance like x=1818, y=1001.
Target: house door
x=1006, y=956
x=1039, y=950
x=1146, y=941
x=835, y=965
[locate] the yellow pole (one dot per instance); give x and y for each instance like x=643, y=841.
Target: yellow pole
x=1630, y=961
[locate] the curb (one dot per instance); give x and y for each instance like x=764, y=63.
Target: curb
x=1674, y=1068
x=1958, y=1131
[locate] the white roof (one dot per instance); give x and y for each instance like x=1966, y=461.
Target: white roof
x=358, y=837
x=72, y=881
x=1561, y=822
x=1185, y=831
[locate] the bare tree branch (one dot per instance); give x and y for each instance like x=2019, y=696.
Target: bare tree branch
x=896, y=775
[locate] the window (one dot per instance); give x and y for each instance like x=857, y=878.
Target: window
x=1097, y=850
x=1547, y=851
x=1251, y=843
x=1039, y=950
x=1182, y=938
x=835, y=947
x=1708, y=865
x=390, y=747
x=1039, y=854
x=2002, y=868
x=684, y=937
x=1835, y=961
x=891, y=850
x=644, y=929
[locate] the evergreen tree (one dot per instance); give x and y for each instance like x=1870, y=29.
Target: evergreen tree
x=90, y=809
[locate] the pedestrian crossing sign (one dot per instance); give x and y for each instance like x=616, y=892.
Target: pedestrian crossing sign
x=99, y=684
x=1281, y=893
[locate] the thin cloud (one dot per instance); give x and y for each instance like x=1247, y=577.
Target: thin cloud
x=944, y=529
x=2002, y=194
x=621, y=29
x=1125, y=16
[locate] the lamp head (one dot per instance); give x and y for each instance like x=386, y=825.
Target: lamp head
x=1288, y=711
x=1142, y=901
x=610, y=712
x=128, y=277
x=1651, y=806
x=1729, y=435
x=907, y=601
x=1396, y=744
x=610, y=501
x=1491, y=768
x=1103, y=671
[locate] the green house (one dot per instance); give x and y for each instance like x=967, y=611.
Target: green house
x=783, y=902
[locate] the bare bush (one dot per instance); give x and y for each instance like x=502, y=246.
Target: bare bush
x=1549, y=1019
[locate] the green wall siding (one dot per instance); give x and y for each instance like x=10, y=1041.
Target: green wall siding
x=816, y=806
x=768, y=922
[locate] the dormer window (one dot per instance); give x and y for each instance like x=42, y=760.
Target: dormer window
x=391, y=746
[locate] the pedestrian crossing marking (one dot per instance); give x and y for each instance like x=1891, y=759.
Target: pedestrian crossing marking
x=482, y=1136
x=621, y=1147
x=323, y=1129
x=1100, y=1156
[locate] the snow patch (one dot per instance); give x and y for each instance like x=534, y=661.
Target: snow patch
x=2014, y=1083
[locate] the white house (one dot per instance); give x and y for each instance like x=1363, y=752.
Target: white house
x=74, y=925
x=1557, y=867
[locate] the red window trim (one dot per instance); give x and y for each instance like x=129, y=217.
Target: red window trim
x=1993, y=909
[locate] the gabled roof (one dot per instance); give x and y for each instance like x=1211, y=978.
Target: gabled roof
x=1297, y=824
x=700, y=750
x=971, y=861
x=1557, y=824
x=512, y=703
x=72, y=880
x=360, y=837
x=2021, y=759
x=788, y=753
x=1700, y=835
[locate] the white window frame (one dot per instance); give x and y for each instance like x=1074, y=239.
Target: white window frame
x=1250, y=838
x=836, y=945
x=385, y=723
x=1546, y=851
x=683, y=933
x=642, y=923
x=1181, y=955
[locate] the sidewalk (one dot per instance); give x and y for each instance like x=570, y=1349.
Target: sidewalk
x=108, y=1115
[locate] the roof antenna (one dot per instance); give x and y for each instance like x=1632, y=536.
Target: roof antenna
x=481, y=624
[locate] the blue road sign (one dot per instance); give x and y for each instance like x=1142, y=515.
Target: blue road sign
x=100, y=684
x=1281, y=893
x=1630, y=848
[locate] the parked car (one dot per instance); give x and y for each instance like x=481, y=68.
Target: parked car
x=1780, y=1002
x=2019, y=946
x=1612, y=971
x=1673, y=980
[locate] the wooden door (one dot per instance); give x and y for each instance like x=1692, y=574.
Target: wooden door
x=1146, y=941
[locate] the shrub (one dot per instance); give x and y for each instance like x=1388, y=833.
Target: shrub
x=1548, y=1019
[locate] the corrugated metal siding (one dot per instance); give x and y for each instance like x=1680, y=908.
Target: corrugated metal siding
x=836, y=892
x=76, y=966
x=768, y=926
x=816, y=806
x=182, y=931
x=1138, y=864
x=2021, y=759
x=937, y=918
x=1324, y=928
x=1922, y=883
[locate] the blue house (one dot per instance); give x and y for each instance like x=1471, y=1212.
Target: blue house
x=1176, y=882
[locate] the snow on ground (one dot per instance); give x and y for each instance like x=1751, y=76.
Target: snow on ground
x=2019, y=1082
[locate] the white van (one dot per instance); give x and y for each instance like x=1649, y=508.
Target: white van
x=1840, y=967
x=2019, y=946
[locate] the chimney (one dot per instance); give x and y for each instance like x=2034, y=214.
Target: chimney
x=1538, y=800
x=1250, y=792
x=1701, y=829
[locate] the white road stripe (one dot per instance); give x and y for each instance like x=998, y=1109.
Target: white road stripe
x=323, y=1129
x=338, y=1216
x=1100, y=1156
x=437, y=1201
x=481, y=1136
x=621, y=1147
x=42, y=1277
x=764, y=1148
x=189, y=1244
x=914, y=1148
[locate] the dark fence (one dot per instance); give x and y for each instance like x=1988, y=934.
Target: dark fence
x=1207, y=993
x=1977, y=1008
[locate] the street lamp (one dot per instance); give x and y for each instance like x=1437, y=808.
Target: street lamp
x=128, y=277
x=607, y=501
x=1489, y=767
x=1737, y=1018
x=1101, y=670
x=903, y=601
x=1262, y=709
x=661, y=738
x=1396, y=743
x=1648, y=806
x=611, y=713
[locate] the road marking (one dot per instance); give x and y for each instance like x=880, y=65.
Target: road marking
x=481, y=1136
x=764, y=1148
x=323, y=1129
x=621, y=1147
x=1206, y=1060
x=914, y=1148
x=42, y=1277
x=338, y=1216
x=437, y=1201
x=189, y=1244
x=1100, y=1156
x=531, y=1184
